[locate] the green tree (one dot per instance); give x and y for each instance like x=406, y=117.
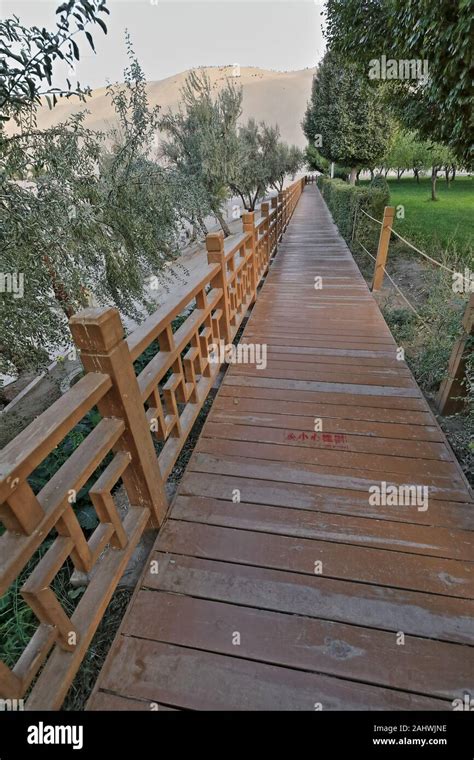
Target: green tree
x=440, y=33
x=344, y=117
x=28, y=55
x=263, y=161
x=257, y=144
x=421, y=157
x=440, y=157
x=81, y=223
x=315, y=160
x=400, y=155
x=285, y=161
x=202, y=142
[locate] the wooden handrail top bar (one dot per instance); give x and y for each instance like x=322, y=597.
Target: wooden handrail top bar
x=144, y=334
x=20, y=457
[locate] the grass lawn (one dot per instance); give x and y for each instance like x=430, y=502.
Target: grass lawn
x=436, y=226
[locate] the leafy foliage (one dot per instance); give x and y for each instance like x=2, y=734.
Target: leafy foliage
x=345, y=112
x=202, y=143
x=441, y=33
x=345, y=201
x=315, y=160
x=263, y=161
x=83, y=221
x=27, y=56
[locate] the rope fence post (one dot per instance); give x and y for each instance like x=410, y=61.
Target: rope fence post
x=453, y=389
x=382, y=250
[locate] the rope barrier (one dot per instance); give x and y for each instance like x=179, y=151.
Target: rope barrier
x=433, y=261
x=396, y=287
x=371, y=217
x=407, y=242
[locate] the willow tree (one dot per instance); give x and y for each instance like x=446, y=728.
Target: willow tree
x=201, y=142
x=264, y=161
x=84, y=217
x=344, y=118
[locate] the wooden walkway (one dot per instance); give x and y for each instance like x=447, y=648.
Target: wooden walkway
x=304, y=595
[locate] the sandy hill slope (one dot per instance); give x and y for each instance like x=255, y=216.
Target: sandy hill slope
x=273, y=96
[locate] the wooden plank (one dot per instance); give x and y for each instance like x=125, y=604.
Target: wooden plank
x=203, y=681
x=429, y=472
x=430, y=616
x=320, y=498
x=362, y=531
x=333, y=560
x=421, y=666
x=359, y=443
x=297, y=403
x=351, y=376
x=115, y=703
x=324, y=393
x=248, y=411
x=446, y=488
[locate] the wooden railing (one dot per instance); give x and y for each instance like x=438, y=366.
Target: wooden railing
x=145, y=421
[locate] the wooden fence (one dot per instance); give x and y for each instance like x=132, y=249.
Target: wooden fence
x=160, y=404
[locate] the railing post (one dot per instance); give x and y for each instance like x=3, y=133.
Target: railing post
x=265, y=209
x=453, y=389
x=382, y=250
x=248, y=225
x=216, y=255
x=274, y=242
x=279, y=215
x=99, y=335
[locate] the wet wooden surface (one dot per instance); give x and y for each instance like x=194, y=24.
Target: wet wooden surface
x=274, y=582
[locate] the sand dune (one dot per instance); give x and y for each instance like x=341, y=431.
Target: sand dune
x=277, y=97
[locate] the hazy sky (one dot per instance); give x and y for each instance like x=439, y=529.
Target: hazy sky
x=170, y=36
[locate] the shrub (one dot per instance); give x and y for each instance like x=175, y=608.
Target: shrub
x=345, y=202
x=341, y=172
x=380, y=183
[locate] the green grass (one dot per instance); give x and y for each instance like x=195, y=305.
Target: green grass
x=436, y=227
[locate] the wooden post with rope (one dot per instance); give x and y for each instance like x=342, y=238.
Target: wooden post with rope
x=453, y=390
x=382, y=250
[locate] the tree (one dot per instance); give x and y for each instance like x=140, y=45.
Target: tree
x=441, y=156
x=344, y=116
x=315, y=160
x=286, y=160
x=80, y=222
x=263, y=161
x=400, y=155
x=421, y=157
x=202, y=139
x=440, y=33
x=257, y=144
x=28, y=54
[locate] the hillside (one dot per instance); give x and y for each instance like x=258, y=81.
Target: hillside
x=273, y=96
